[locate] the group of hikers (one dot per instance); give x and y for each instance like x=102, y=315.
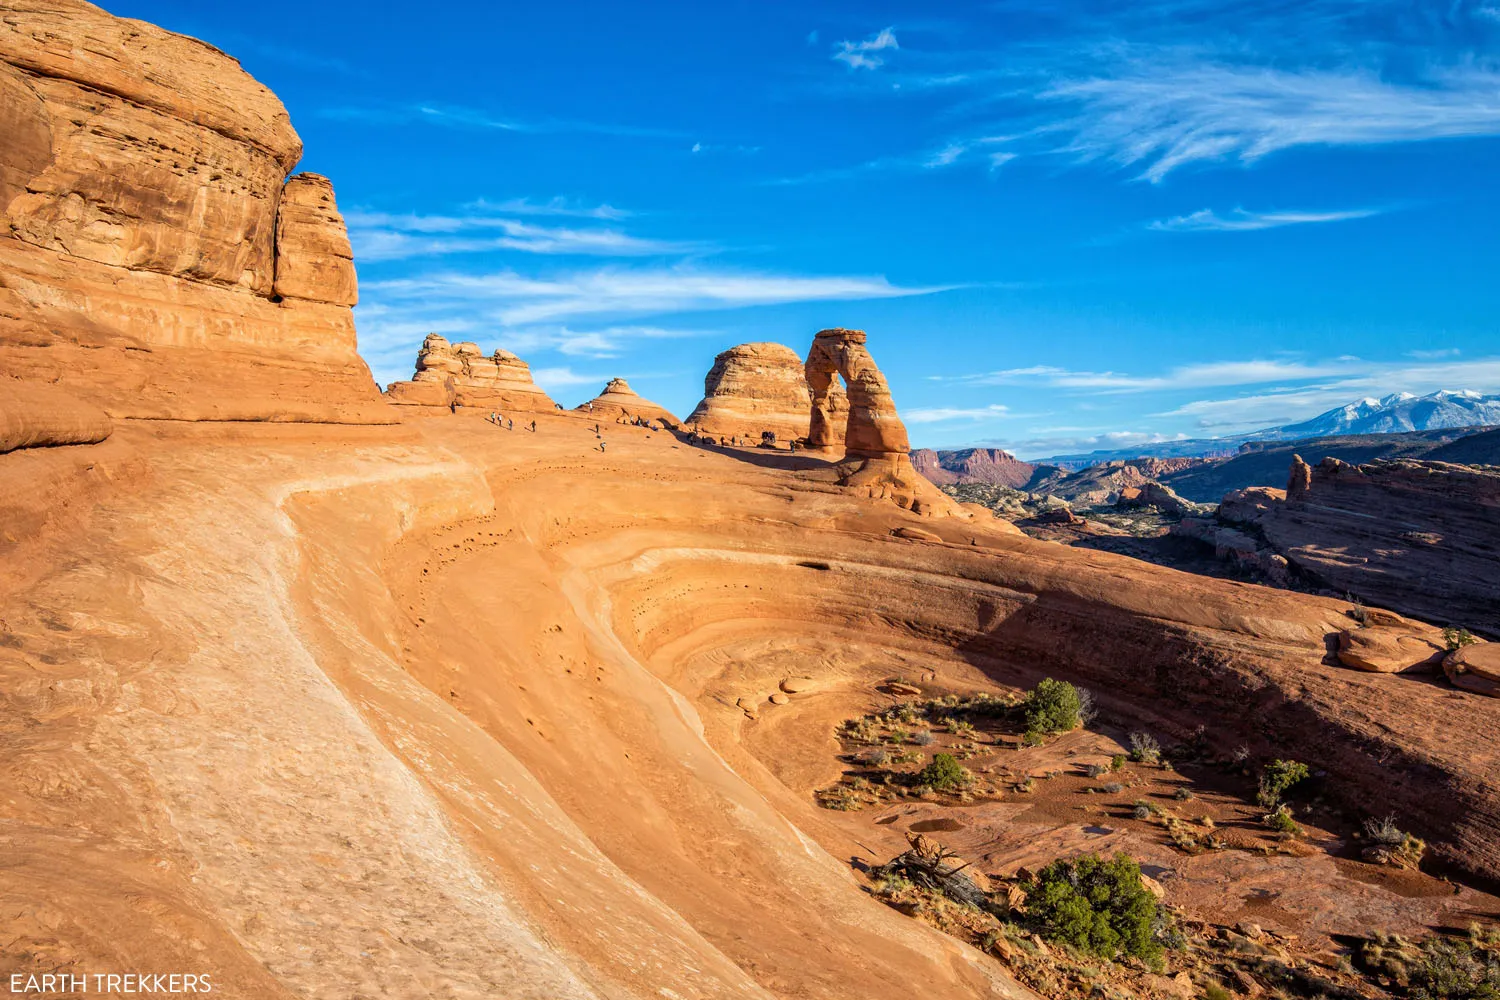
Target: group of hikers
x=509, y=423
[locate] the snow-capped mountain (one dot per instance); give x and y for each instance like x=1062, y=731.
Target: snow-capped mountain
x=1400, y=411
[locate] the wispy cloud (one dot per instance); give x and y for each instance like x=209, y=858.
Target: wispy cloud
x=605, y=342
x=517, y=300
x=941, y=414
x=379, y=236
x=1156, y=86
x=1446, y=352
x=459, y=117
x=1164, y=113
x=864, y=54
x=1203, y=375
x=1238, y=221
x=558, y=206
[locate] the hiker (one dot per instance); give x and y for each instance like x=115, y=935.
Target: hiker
x=601, y=444
x=533, y=427
x=510, y=424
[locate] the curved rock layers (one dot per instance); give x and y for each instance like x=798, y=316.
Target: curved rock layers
x=154, y=260
x=461, y=374
x=753, y=389
x=620, y=402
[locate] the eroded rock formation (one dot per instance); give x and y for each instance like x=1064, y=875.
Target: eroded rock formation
x=619, y=401
x=875, y=447
x=756, y=388
x=1419, y=537
x=973, y=465
x=141, y=177
x=463, y=375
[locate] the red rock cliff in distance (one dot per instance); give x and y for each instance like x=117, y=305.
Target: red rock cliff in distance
x=154, y=259
x=973, y=465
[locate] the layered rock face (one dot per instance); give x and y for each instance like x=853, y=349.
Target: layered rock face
x=620, y=402
x=1422, y=538
x=973, y=465
x=756, y=388
x=461, y=374
x=154, y=261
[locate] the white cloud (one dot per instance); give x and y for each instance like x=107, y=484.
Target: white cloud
x=1207, y=374
x=378, y=236
x=860, y=55
x=1161, y=114
x=940, y=414
x=554, y=206
x=516, y=300
x=605, y=342
x=1207, y=220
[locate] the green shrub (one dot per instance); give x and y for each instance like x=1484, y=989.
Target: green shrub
x=1051, y=707
x=1117, y=762
x=944, y=773
x=1455, y=970
x=1281, y=820
x=1098, y=906
x=1457, y=638
x=1278, y=776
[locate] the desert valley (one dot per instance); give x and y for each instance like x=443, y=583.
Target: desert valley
x=314, y=689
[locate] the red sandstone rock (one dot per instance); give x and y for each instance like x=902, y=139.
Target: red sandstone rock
x=313, y=257
x=1389, y=650
x=34, y=415
x=460, y=374
x=1475, y=668
x=753, y=389
x=618, y=400
x=140, y=177
x=972, y=465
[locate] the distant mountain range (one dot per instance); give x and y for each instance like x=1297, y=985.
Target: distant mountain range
x=1398, y=413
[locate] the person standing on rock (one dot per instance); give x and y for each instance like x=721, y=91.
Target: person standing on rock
x=533, y=427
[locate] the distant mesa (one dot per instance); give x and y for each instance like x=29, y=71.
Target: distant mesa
x=619, y=401
x=450, y=375
x=157, y=261
x=973, y=465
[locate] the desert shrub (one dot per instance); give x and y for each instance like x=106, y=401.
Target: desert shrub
x=1457, y=638
x=1051, y=707
x=1117, y=762
x=944, y=773
x=1383, y=831
x=1455, y=970
x=1183, y=793
x=1097, y=905
x=1095, y=770
x=1281, y=820
x=1113, y=788
x=874, y=757
x=923, y=738
x=1141, y=811
x=1144, y=748
x=1213, y=991
x=1087, y=711
x=1278, y=776
x=1391, y=845
x=906, y=713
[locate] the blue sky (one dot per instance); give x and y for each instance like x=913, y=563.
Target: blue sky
x=1064, y=225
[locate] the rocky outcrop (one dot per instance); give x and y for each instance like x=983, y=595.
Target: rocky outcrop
x=754, y=389
x=620, y=402
x=973, y=465
x=1475, y=668
x=142, y=177
x=313, y=257
x=1160, y=498
x=461, y=374
x=1422, y=538
x=1299, y=479
x=34, y=415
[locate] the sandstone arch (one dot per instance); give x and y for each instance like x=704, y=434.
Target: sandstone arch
x=873, y=429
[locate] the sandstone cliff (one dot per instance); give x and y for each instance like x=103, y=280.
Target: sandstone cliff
x=973, y=465
x=753, y=389
x=620, y=402
x=461, y=374
x=1420, y=537
x=154, y=259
